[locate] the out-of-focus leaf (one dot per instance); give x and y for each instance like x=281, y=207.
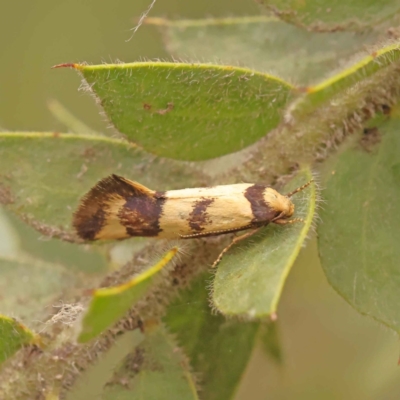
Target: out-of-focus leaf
x=9, y=243
x=250, y=277
x=188, y=111
x=348, y=78
x=43, y=175
x=334, y=15
x=68, y=119
x=219, y=349
x=91, y=383
x=28, y=286
x=108, y=305
x=13, y=335
x=261, y=43
x=87, y=259
x=359, y=232
x=270, y=340
x=156, y=371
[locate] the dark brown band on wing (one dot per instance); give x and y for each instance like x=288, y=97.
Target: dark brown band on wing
x=199, y=216
x=262, y=212
x=141, y=214
x=93, y=213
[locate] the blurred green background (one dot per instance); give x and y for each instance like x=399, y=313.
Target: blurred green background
x=330, y=351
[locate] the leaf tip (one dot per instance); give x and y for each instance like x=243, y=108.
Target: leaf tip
x=66, y=65
x=274, y=316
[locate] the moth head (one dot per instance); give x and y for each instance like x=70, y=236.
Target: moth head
x=282, y=205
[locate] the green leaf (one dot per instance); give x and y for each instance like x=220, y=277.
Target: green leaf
x=44, y=174
x=367, y=67
x=108, y=305
x=91, y=383
x=13, y=336
x=250, y=278
x=31, y=278
x=29, y=285
x=359, y=233
x=188, y=111
x=219, y=349
x=156, y=371
x=338, y=15
x=9, y=243
x=87, y=259
x=270, y=340
x=261, y=43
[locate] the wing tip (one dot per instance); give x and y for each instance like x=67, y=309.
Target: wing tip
x=100, y=205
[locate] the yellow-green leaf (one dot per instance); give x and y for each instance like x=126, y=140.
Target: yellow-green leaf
x=334, y=15
x=188, y=111
x=250, y=278
x=43, y=175
x=13, y=336
x=108, y=305
x=158, y=370
x=262, y=43
x=359, y=232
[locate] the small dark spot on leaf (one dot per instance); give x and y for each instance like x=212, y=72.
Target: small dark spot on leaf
x=83, y=170
x=370, y=138
x=170, y=107
x=89, y=152
x=147, y=106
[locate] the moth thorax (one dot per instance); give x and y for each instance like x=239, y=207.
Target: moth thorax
x=279, y=203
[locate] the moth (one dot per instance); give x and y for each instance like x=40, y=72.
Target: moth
x=118, y=208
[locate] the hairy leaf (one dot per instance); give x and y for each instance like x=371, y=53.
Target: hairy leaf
x=29, y=286
x=108, y=305
x=250, y=278
x=91, y=383
x=219, y=349
x=337, y=15
x=45, y=174
x=261, y=43
x=350, y=77
x=187, y=111
x=359, y=234
x=13, y=336
x=156, y=371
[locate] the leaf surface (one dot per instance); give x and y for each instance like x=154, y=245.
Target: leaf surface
x=13, y=335
x=262, y=43
x=359, y=232
x=44, y=174
x=359, y=73
x=334, y=15
x=188, y=111
x=158, y=370
x=250, y=277
x=219, y=349
x=108, y=305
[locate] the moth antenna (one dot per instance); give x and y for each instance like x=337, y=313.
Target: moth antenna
x=288, y=221
x=299, y=189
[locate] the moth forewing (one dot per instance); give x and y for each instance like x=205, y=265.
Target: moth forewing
x=117, y=208
x=202, y=211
